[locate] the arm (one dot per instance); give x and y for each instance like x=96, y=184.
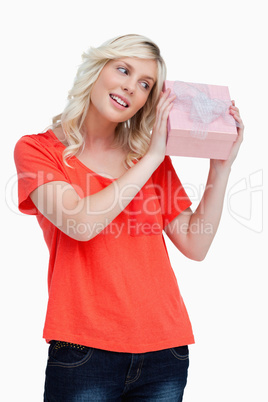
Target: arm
x=193, y=233
x=59, y=202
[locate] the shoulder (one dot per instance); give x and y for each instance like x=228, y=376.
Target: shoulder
x=59, y=134
x=36, y=142
x=42, y=148
x=40, y=138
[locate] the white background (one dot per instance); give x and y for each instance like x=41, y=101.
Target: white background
x=202, y=41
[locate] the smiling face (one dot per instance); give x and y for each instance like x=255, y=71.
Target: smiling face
x=122, y=88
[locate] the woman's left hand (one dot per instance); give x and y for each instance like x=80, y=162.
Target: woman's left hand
x=234, y=111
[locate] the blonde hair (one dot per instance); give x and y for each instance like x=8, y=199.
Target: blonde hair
x=133, y=134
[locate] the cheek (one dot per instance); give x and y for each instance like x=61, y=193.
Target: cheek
x=94, y=97
x=108, y=80
x=142, y=100
x=98, y=93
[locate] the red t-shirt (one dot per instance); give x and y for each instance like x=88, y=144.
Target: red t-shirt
x=117, y=291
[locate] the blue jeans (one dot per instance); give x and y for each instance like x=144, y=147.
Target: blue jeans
x=78, y=373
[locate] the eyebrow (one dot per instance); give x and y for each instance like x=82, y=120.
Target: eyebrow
x=131, y=68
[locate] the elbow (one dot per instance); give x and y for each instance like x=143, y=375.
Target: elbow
x=198, y=258
x=83, y=237
x=196, y=255
x=79, y=231
x=197, y=251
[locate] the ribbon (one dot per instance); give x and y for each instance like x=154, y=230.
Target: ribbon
x=202, y=109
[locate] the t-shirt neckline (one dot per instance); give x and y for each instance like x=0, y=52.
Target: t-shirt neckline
x=81, y=163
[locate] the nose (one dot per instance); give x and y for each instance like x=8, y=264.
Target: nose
x=129, y=87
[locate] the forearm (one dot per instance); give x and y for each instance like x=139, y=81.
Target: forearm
x=201, y=226
x=98, y=210
x=204, y=222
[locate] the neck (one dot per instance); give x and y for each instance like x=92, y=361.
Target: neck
x=98, y=130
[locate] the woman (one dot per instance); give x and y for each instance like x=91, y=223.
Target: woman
x=103, y=191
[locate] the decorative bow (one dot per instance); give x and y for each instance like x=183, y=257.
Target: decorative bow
x=202, y=109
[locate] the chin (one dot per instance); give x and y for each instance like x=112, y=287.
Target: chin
x=120, y=119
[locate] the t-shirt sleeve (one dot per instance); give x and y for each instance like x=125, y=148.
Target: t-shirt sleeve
x=171, y=194
x=36, y=165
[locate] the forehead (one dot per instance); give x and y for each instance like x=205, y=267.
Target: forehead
x=144, y=67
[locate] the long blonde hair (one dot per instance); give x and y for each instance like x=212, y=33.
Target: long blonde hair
x=133, y=134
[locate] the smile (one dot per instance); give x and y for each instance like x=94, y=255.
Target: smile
x=119, y=100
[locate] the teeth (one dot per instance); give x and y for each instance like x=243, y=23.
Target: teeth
x=118, y=100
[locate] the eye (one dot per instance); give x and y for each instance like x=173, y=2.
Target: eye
x=123, y=70
x=145, y=85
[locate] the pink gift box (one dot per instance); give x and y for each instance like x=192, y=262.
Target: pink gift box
x=199, y=124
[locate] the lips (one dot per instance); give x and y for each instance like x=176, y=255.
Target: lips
x=121, y=100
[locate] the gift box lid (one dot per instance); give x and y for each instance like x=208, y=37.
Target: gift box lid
x=201, y=110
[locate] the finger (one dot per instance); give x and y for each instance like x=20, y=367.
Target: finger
x=240, y=129
x=234, y=110
x=232, y=106
x=235, y=113
x=161, y=119
x=164, y=97
x=166, y=93
x=165, y=101
x=161, y=111
x=237, y=117
x=164, y=117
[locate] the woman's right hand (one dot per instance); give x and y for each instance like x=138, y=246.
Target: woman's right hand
x=157, y=146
